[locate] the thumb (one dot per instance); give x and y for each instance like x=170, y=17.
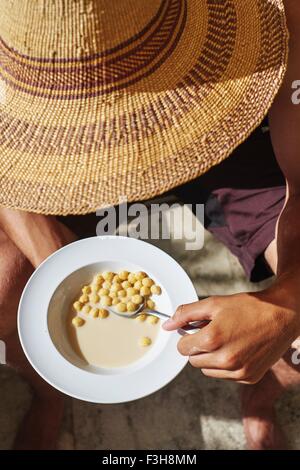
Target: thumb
x=201, y=310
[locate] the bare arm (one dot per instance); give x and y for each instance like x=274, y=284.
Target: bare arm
x=248, y=333
x=285, y=133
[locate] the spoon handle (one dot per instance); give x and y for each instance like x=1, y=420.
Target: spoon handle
x=193, y=326
x=157, y=314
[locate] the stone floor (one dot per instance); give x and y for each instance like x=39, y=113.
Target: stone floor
x=191, y=412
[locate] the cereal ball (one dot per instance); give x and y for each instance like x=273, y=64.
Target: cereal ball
x=86, y=309
x=121, y=307
x=86, y=290
x=106, y=285
x=116, y=287
x=94, y=298
x=138, y=285
x=152, y=319
x=117, y=278
x=123, y=275
x=155, y=290
x=122, y=293
x=115, y=301
x=98, y=279
x=113, y=295
x=108, y=276
x=141, y=317
x=95, y=312
x=137, y=299
x=77, y=306
x=140, y=275
x=147, y=282
x=145, y=341
x=95, y=288
x=103, y=292
x=103, y=313
x=84, y=299
x=126, y=284
x=78, y=321
x=150, y=304
x=131, y=291
x=131, y=307
x=106, y=300
x=131, y=278
x=145, y=291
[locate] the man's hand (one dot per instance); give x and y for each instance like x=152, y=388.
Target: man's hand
x=246, y=335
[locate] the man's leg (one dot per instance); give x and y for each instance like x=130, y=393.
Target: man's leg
x=40, y=427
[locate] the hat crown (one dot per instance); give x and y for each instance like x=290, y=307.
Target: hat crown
x=76, y=28
x=71, y=47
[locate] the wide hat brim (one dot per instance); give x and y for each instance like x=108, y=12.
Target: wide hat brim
x=149, y=99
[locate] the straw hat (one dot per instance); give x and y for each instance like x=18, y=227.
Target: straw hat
x=109, y=98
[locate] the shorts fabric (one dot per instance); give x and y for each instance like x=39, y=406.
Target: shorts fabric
x=243, y=197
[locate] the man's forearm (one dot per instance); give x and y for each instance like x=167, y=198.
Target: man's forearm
x=37, y=236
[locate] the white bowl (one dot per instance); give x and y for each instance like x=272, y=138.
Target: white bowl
x=45, y=303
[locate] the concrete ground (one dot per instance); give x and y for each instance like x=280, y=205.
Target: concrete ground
x=193, y=412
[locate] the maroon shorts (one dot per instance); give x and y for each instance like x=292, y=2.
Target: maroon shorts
x=243, y=197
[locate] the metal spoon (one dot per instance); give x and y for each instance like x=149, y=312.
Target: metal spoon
x=190, y=327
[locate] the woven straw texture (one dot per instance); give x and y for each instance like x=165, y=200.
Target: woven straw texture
x=107, y=98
